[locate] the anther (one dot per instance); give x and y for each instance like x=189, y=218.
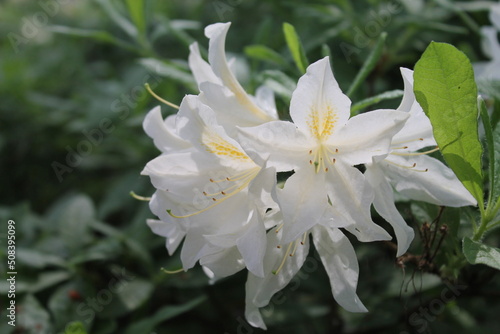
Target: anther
x=310, y=162
x=212, y=180
x=326, y=169
x=279, y=246
x=334, y=160
x=223, y=193
x=336, y=150
x=310, y=151
x=214, y=199
x=205, y=193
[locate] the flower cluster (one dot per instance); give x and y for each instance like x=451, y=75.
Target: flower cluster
x=216, y=179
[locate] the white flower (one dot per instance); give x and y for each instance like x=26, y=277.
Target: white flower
x=325, y=192
x=222, y=91
x=212, y=193
x=321, y=146
x=412, y=173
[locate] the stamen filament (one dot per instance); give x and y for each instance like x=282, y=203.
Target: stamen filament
x=172, y=271
x=170, y=104
x=249, y=179
x=139, y=198
x=417, y=153
x=408, y=167
x=284, y=260
x=407, y=141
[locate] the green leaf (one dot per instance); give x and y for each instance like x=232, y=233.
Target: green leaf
x=295, y=46
x=479, y=253
x=393, y=94
x=119, y=19
x=169, y=70
x=136, y=10
x=488, y=131
x=37, y=259
x=369, y=64
x=147, y=325
x=75, y=327
x=127, y=297
x=33, y=318
x=262, y=52
x=496, y=176
x=101, y=36
x=280, y=83
x=446, y=90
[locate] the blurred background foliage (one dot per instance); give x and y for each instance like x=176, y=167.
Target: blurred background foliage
x=74, y=71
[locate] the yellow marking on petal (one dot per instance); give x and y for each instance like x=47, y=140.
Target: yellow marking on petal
x=321, y=125
x=170, y=104
x=218, y=146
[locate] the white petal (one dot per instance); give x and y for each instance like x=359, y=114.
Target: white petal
x=367, y=135
x=384, y=204
x=217, y=57
x=260, y=290
x=252, y=245
x=303, y=201
x=170, y=230
x=417, y=131
x=163, y=135
x=224, y=263
x=197, y=123
x=438, y=185
x=408, y=96
x=352, y=196
x=341, y=264
x=265, y=99
x=318, y=106
x=201, y=69
x=195, y=247
x=287, y=147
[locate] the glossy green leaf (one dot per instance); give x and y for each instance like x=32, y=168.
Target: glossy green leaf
x=479, y=253
x=295, y=46
x=446, y=90
x=119, y=19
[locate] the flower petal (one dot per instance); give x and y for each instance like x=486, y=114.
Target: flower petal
x=438, y=185
x=318, y=106
x=202, y=71
x=366, y=135
x=217, y=57
x=417, y=131
x=341, y=264
x=303, y=201
x=162, y=132
x=224, y=263
x=352, y=196
x=170, y=231
x=260, y=290
x=264, y=97
x=384, y=204
x=286, y=145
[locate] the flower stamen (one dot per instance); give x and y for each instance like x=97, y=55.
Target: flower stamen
x=170, y=104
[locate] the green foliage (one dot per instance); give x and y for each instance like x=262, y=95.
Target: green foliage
x=476, y=253
x=446, y=90
x=82, y=238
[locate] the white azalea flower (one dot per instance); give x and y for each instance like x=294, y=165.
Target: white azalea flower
x=412, y=173
x=321, y=146
x=222, y=91
x=212, y=193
